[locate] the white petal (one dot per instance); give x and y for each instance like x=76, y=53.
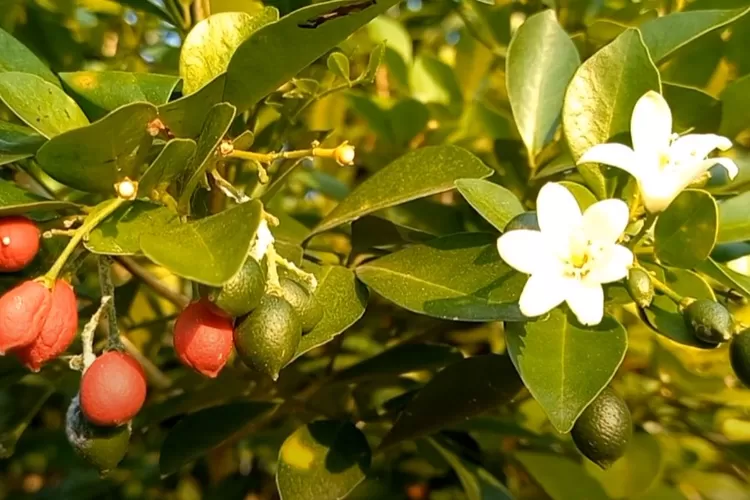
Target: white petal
x=694, y=147
x=678, y=177
x=606, y=220
x=524, y=250
x=586, y=300
x=660, y=190
x=651, y=125
x=729, y=165
x=558, y=214
x=542, y=293
x=611, y=265
x=616, y=155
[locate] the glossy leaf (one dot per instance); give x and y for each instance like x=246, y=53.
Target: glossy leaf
x=324, y=460
x=119, y=234
x=15, y=201
x=172, y=161
x=450, y=278
x=600, y=99
x=209, y=250
x=40, y=104
x=210, y=44
x=635, y=472
x=726, y=276
x=734, y=106
x=548, y=353
x=185, y=116
x=541, y=61
x=202, y=431
x=415, y=175
x=95, y=157
x=493, y=202
x=402, y=358
x=693, y=109
x=561, y=478
x=15, y=57
x=345, y=299
x=686, y=231
x=583, y=196
x=278, y=51
x=734, y=224
x=17, y=142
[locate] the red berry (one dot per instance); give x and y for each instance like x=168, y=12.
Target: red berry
x=23, y=310
x=58, y=331
x=203, y=338
x=113, y=389
x=19, y=243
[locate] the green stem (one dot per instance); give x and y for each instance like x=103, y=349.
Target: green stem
x=647, y=223
x=108, y=290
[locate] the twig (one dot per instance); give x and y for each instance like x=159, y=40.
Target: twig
x=87, y=338
x=157, y=377
x=108, y=290
x=152, y=281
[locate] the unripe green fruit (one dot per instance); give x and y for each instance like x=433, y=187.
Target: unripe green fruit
x=267, y=338
x=603, y=430
x=739, y=356
x=526, y=220
x=306, y=305
x=102, y=447
x=709, y=321
x=640, y=287
x=242, y=293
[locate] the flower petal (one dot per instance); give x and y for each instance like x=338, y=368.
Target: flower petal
x=651, y=125
x=695, y=147
x=586, y=300
x=524, y=250
x=558, y=214
x=616, y=155
x=542, y=293
x=606, y=220
x=611, y=265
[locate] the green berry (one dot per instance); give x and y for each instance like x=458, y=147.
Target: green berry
x=242, y=293
x=640, y=287
x=739, y=356
x=603, y=430
x=709, y=321
x=306, y=305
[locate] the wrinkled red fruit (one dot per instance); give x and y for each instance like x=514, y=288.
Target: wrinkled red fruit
x=113, y=389
x=203, y=338
x=58, y=331
x=23, y=310
x=19, y=243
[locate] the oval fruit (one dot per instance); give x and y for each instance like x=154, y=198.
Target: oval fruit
x=709, y=321
x=19, y=243
x=242, y=293
x=113, y=389
x=23, y=310
x=306, y=305
x=739, y=356
x=603, y=430
x=202, y=338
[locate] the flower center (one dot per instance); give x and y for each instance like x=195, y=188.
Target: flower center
x=581, y=257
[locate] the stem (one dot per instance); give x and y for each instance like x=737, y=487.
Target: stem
x=342, y=86
x=228, y=188
x=647, y=223
x=93, y=220
x=152, y=282
x=273, y=276
x=310, y=281
x=157, y=377
x=108, y=290
x=87, y=335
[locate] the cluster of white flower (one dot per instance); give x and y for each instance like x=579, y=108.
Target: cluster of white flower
x=573, y=254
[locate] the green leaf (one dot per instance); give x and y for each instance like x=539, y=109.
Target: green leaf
x=278, y=51
x=664, y=35
x=693, y=109
x=119, y=234
x=168, y=166
x=477, y=482
x=17, y=142
x=214, y=129
x=19, y=403
x=345, y=300
x=735, y=104
x=493, y=202
x=209, y=250
x=424, y=216
x=96, y=156
x=322, y=460
x=433, y=81
x=726, y=276
x=185, y=116
x=541, y=61
x=734, y=224
x=561, y=478
x=450, y=277
x=150, y=8
x=600, y=99
x=202, y=431
x=15, y=201
x=338, y=64
x=402, y=358
x=99, y=92
x=40, y=104
x=550, y=355
x=635, y=472
x=462, y=390
x=583, y=196
x=686, y=231
x=15, y=57
x=209, y=46
x=417, y=174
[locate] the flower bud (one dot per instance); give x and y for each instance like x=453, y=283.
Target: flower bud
x=23, y=310
x=113, y=389
x=19, y=243
x=708, y=320
x=344, y=154
x=640, y=287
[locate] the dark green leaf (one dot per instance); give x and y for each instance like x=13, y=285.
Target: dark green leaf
x=550, y=355
x=174, y=159
x=600, y=99
x=415, y=175
x=734, y=223
x=40, y=104
x=686, y=231
x=725, y=276
x=561, y=478
x=120, y=233
x=460, y=391
x=95, y=157
x=402, y=358
x=19, y=403
x=200, y=432
x=541, y=61
x=433, y=81
x=210, y=250
x=735, y=103
x=185, y=116
x=449, y=278
x=17, y=142
x=324, y=460
x=277, y=52
x=583, y=196
x=692, y=109
x=425, y=216
x=493, y=202
x=635, y=472
x=14, y=201
x=15, y=57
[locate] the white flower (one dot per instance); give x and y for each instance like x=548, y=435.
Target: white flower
x=571, y=256
x=663, y=163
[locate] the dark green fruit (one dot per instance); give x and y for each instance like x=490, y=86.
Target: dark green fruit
x=640, y=287
x=739, y=355
x=267, y=338
x=603, y=430
x=308, y=308
x=243, y=292
x=102, y=447
x=526, y=220
x=709, y=321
